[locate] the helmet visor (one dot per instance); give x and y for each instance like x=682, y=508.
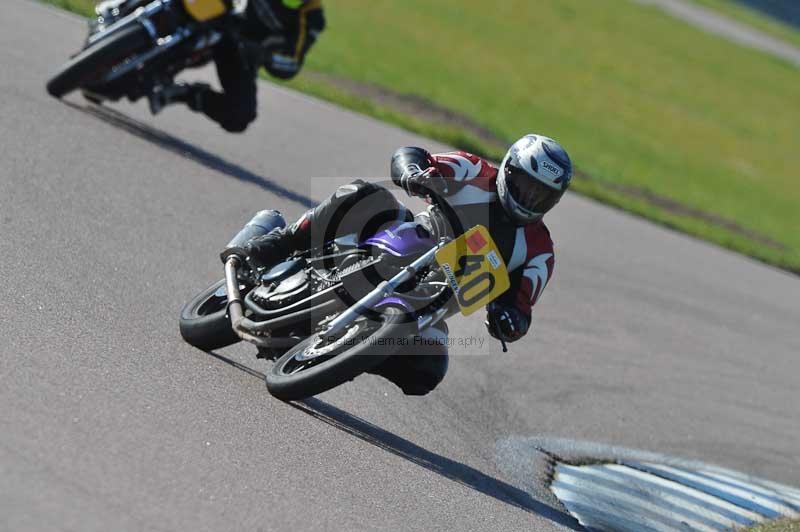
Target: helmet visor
x=530, y=193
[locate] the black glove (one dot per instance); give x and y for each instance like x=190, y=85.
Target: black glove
x=506, y=322
x=418, y=182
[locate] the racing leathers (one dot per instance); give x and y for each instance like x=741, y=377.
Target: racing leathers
x=274, y=33
x=468, y=185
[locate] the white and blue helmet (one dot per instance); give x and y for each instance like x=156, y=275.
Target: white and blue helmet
x=533, y=176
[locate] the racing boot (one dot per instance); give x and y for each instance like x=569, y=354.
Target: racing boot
x=264, y=252
x=190, y=94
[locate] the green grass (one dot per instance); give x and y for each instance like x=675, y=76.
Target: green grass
x=776, y=526
x=639, y=98
x=754, y=18
x=642, y=101
x=83, y=7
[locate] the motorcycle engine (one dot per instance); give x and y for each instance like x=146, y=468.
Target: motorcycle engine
x=283, y=285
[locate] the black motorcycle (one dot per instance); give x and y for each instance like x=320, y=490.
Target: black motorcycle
x=136, y=47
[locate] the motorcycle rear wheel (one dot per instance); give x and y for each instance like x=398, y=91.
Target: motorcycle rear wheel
x=363, y=346
x=92, y=62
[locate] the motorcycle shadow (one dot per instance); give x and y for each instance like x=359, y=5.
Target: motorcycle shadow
x=436, y=463
x=189, y=151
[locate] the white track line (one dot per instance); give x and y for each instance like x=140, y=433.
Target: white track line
x=617, y=500
x=637, y=482
x=747, y=514
x=783, y=509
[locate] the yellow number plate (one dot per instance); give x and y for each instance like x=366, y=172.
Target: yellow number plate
x=204, y=10
x=474, y=268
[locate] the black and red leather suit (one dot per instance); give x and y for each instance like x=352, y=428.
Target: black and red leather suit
x=470, y=183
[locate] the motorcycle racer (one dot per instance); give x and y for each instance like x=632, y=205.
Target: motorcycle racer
x=510, y=200
x=274, y=33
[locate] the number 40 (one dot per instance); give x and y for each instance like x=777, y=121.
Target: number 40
x=468, y=264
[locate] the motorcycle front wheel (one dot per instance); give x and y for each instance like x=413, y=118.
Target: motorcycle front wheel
x=95, y=61
x=318, y=364
x=204, y=320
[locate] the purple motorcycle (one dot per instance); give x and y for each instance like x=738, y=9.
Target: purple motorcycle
x=331, y=313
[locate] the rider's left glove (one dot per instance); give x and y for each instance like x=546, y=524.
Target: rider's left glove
x=506, y=322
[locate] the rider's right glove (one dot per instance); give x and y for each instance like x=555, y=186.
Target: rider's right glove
x=506, y=322
x=418, y=182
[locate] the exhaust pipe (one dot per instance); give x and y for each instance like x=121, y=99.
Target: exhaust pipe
x=261, y=224
x=236, y=309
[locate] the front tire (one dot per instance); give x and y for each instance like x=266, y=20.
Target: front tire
x=204, y=320
x=94, y=61
x=364, y=345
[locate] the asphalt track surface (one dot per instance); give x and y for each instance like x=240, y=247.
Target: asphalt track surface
x=111, y=220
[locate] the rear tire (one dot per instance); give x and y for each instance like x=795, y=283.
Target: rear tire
x=289, y=380
x=204, y=320
x=93, y=61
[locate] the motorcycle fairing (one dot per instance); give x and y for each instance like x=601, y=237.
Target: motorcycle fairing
x=402, y=239
x=394, y=301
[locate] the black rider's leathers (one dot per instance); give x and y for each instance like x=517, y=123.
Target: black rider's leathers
x=274, y=33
